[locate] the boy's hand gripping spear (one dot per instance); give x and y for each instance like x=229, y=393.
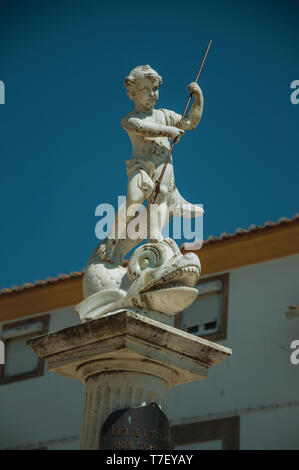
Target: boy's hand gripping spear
x=158, y=182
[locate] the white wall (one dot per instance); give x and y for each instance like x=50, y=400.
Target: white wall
x=259, y=373
x=267, y=430
x=44, y=408
x=48, y=410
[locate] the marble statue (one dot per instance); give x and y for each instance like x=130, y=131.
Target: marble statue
x=158, y=277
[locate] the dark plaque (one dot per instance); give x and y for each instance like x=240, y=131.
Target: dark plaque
x=142, y=428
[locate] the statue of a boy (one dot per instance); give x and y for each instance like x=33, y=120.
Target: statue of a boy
x=158, y=277
x=150, y=131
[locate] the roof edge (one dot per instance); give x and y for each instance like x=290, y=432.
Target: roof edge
x=212, y=242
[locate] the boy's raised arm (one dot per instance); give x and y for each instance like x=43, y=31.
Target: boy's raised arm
x=195, y=113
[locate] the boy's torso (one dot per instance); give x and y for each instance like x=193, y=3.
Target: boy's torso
x=154, y=149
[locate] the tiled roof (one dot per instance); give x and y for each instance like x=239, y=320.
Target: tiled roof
x=239, y=232
x=48, y=280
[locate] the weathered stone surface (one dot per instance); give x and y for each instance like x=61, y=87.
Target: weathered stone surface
x=164, y=279
x=158, y=279
x=125, y=360
x=129, y=342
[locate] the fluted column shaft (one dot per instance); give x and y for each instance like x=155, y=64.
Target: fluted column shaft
x=111, y=391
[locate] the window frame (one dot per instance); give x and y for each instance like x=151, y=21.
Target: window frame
x=39, y=370
x=226, y=430
x=222, y=333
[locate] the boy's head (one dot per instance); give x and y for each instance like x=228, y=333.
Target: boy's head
x=142, y=86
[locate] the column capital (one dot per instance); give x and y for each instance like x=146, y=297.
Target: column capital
x=129, y=342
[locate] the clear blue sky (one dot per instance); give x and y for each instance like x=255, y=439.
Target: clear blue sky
x=61, y=144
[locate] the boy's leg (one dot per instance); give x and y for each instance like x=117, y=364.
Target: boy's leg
x=136, y=191
x=127, y=212
x=158, y=214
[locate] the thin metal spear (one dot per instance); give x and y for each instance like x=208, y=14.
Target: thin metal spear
x=158, y=182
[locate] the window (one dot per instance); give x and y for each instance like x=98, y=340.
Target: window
x=207, y=316
x=20, y=361
x=222, y=434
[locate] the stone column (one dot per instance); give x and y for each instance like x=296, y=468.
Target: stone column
x=126, y=360
x=111, y=391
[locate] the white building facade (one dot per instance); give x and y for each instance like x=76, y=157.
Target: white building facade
x=250, y=401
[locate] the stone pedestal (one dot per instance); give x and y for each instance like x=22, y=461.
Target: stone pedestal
x=125, y=360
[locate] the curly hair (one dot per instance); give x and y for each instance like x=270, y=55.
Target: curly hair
x=139, y=72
